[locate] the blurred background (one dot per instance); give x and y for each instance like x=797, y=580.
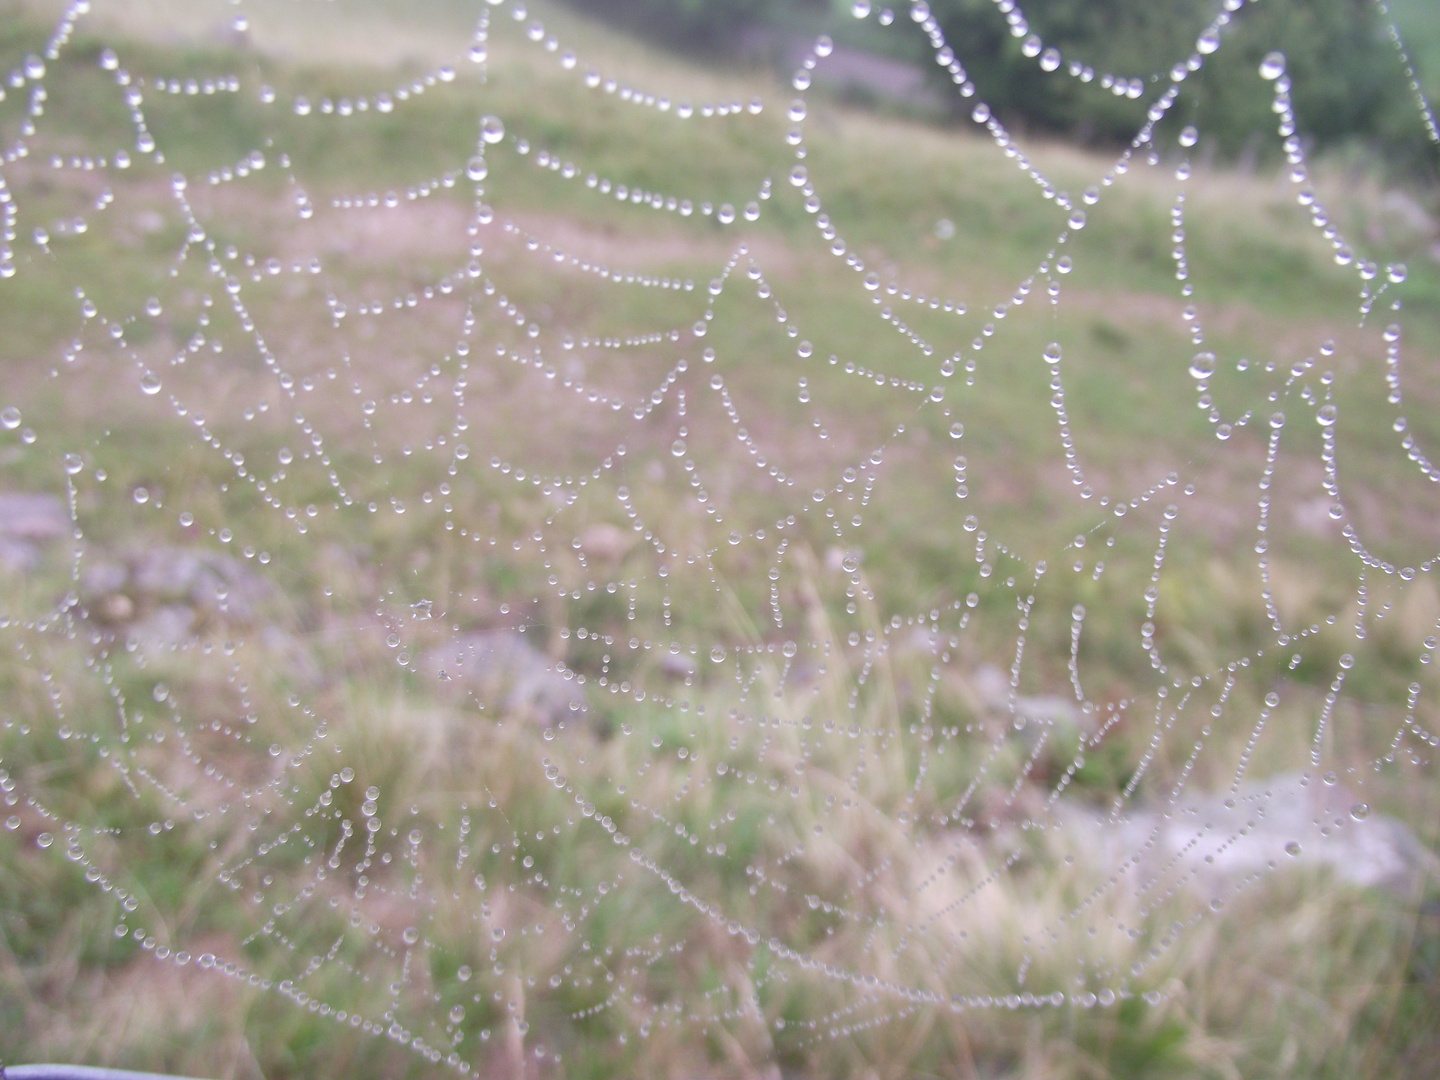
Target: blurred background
x=720, y=539
x=1340, y=53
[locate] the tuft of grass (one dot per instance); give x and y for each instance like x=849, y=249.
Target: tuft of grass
x=833, y=859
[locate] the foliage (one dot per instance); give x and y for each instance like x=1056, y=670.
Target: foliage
x=702, y=25
x=1347, y=81
x=1340, y=992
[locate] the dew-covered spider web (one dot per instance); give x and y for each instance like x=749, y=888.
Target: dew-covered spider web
x=529, y=562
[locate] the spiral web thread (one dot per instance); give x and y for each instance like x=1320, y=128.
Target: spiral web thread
x=747, y=795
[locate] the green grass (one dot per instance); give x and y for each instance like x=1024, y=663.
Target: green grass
x=214, y=818
x=1415, y=20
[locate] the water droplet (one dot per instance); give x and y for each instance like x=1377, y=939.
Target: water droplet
x=1273, y=66
x=872, y=281
x=1359, y=811
x=10, y=417
x=678, y=448
x=1396, y=272
x=1077, y=219
x=152, y=306
x=1189, y=135
x=1292, y=849
x=476, y=168
x=717, y=653
x=957, y=430
x=44, y=840
x=150, y=383
x=1325, y=415
x=1272, y=699
x=492, y=129
x=1052, y=353
x=1050, y=59
x=73, y=463
x=860, y=9
x=1203, y=365
x=1277, y=420
x=735, y=537
x=1208, y=42
x=497, y=934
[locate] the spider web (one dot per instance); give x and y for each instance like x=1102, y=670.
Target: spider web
x=567, y=615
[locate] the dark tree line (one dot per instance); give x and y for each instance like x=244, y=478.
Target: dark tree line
x=1347, y=82
x=1346, y=79
x=714, y=27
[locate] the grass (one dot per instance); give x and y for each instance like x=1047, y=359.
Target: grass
x=795, y=834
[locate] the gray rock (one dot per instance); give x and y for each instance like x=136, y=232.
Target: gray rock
x=992, y=686
x=1313, y=516
x=205, y=580
x=33, y=517
x=294, y=652
x=677, y=664
x=606, y=543
x=162, y=627
x=163, y=595
x=857, y=73
x=18, y=555
x=1215, y=843
x=100, y=577
x=501, y=668
x=27, y=522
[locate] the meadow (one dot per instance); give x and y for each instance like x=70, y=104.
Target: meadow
x=841, y=643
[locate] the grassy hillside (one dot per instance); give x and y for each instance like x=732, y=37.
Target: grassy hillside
x=781, y=489
x=1417, y=21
